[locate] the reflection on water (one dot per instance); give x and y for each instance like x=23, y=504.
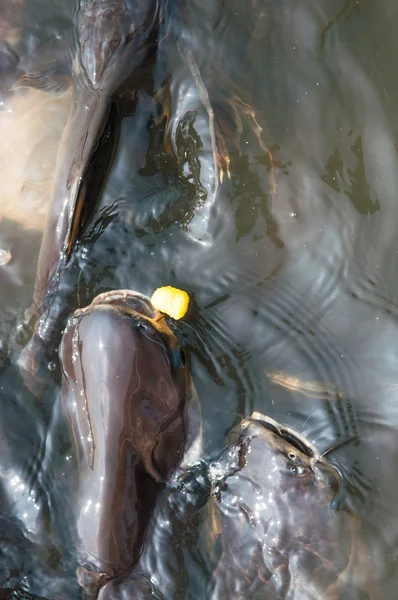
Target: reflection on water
x=257, y=169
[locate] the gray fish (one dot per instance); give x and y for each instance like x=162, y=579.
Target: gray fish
x=111, y=44
x=275, y=505
x=125, y=392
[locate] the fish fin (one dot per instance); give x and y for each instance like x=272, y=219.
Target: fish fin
x=53, y=78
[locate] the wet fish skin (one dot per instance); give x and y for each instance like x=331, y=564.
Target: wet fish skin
x=124, y=393
x=123, y=26
x=111, y=44
x=275, y=500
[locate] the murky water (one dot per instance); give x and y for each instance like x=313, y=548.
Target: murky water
x=257, y=169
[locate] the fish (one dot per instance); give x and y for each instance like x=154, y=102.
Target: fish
x=284, y=528
x=111, y=44
x=311, y=389
x=125, y=391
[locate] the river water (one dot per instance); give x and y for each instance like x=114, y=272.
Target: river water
x=257, y=169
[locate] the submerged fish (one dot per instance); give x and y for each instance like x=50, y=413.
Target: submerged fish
x=311, y=389
x=111, y=44
x=31, y=129
x=275, y=501
x=125, y=392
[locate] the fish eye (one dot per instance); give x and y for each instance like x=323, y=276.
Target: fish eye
x=297, y=470
x=141, y=326
x=293, y=470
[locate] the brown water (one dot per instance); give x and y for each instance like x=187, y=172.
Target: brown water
x=257, y=169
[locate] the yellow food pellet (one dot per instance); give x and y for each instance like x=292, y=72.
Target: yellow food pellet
x=171, y=301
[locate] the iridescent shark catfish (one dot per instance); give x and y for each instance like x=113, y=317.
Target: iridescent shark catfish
x=112, y=39
x=128, y=398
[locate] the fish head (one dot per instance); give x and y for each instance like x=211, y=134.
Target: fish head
x=289, y=461
x=277, y=501
x=99, y=36
x=107, y=29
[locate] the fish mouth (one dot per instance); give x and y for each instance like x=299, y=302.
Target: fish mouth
x=127, y=299
x=286, y=433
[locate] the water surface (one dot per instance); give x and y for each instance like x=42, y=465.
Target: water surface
x=257, y=169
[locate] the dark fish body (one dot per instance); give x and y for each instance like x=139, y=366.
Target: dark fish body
x=125, y=388
x=275, y=504
x=111, y=37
